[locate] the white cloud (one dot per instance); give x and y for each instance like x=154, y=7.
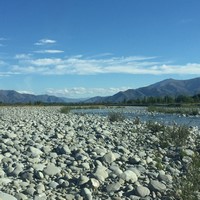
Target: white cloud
x=50, y=51
x=26, y=92
x=80, y=65
x=78, y=92
x=45, y=42
x=22, y=56
x=46, y=61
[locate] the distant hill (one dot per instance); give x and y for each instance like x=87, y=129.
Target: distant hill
x=11, y=96
x=170, y=87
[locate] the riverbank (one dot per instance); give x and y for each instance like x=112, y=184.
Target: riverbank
x=46, y=154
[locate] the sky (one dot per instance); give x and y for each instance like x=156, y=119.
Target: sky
x=86, y=48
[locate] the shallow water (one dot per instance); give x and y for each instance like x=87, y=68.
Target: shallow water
x=132, y=112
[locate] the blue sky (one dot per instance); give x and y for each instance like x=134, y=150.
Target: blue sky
x=84, y=48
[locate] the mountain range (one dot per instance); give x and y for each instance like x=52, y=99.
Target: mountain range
x=168, y=87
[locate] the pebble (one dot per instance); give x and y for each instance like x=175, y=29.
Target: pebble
x=51, y=169
x=5, y=196
x=157, y=186
x=129, y=175
x=113, y=187
x=142, y=191
x=47, y=155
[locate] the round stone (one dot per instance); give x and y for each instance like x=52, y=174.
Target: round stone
x=157, y=186
x=129, y=175
x=142, y=191
x=52, y=170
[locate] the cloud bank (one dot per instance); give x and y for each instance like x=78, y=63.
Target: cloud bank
x=81, y=65
x=78, y=92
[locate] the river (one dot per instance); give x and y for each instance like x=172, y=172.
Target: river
x=132, y=112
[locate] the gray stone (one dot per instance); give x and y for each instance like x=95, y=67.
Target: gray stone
x=52, y=170
x=40, y=197
x=164, y=177
x=18, y=169
x=5, y=196
x=2, y=173
x=83, y=179
x=116, y=170
x=157, y=186
x=129, y=175
x=109, y=157
x=53, y=184
x=142, y=191
x=113, y=187
x=30, y=191
x=35, y=152
x=21, y=196
x=87, y=194
x=94, y=183
x=101, y=173
x=39, y=175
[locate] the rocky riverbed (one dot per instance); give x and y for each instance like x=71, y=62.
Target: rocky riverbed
x=47, y=155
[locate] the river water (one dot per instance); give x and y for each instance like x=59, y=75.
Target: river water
x=141, y=112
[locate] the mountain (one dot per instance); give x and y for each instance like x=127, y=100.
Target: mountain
x=11, y=96
x=168, y=87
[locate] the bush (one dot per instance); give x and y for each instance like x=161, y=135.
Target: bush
x=116, y=116
x=65, y=109
x=155, y=127
x=188, y=186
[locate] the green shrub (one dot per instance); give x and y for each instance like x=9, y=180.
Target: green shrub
x=189, y=185
x=155, y=127
x=65, y=109
x=116, y=116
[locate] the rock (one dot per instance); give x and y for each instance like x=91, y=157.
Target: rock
x=116, y=170
x=157, y=186
x=109, y=157
x=85, y=165
x=2, y=173
x=35, y=152
x=18, y=169
x=39, y=175
x=52, y=170
x=63, y=149
x=87, y=194
x=189, y=152
x=83, y=179
x=163, y=177
x=30, y=191
x=53, y=184
x=101, y=173
x=113, y=187
x=40, y=197
x=94, y=183
x=129, y=175
x=5, y=196
x=21, y=196
x=142, y=191
x=134, y=160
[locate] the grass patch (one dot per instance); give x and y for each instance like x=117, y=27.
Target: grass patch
x=175, y=135
x=116, y=116
x=175, y=110
x=65, y=109
x=188, y=186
